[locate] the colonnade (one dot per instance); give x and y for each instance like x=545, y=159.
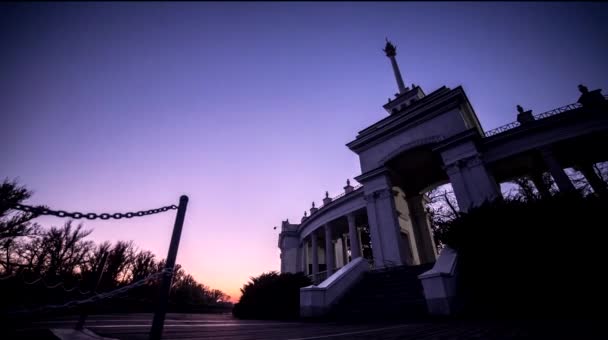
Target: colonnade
x=312, y=255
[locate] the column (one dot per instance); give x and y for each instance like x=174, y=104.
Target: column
x=304, y=252
x=541, y=186
x=463, y=196
x=397, y=72
x=557, y=172
x=359, y=238
x=329, y=251
x=299, y=257
x=355, y=250
x=473, y=184
x=383, y=224
x=344, y=252
x=315, y=256
x=423, y=235
x=598, y=185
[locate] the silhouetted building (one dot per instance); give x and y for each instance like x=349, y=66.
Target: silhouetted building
x=424, y=142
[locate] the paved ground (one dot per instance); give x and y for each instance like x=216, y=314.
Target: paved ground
x=216, y=326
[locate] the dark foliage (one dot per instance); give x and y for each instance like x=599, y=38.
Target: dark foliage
x=271, y=296
x=534, y=257
x=41, y=266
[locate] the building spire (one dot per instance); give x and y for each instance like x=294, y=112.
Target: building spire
x=391, y=52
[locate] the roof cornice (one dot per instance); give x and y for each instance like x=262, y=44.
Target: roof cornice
x=379, y=130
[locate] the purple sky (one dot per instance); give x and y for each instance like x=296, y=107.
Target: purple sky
x=246, y=107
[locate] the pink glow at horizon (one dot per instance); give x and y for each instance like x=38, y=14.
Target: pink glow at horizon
x=247, y=107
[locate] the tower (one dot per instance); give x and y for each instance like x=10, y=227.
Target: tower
x=391, y=52
x=406, y=96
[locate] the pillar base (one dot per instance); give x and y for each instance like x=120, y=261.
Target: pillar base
x=439, y=284
x=442, y=306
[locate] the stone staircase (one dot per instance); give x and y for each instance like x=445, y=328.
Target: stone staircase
x=387, y=294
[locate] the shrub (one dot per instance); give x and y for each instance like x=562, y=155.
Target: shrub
x=271, y=296
x=531, y=258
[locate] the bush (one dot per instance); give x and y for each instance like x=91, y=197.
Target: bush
x=540, y=257
x=271, y=296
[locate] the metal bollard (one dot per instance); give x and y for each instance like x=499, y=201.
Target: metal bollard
x=163, y=301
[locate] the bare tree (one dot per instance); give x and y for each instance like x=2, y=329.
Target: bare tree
x=525, y=190
x=64, y=255
x=217, y=296
x=601, y=169
x=63, y=250
x=144, y=264
x=13, y=224
x=441, y=207
x=441, y=204
x=579, y=181
x=119, y=258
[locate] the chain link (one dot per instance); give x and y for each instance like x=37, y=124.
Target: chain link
x=41, y=210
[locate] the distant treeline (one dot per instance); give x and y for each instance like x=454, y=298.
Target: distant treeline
x=51, y=266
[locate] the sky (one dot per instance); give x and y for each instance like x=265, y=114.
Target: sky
x=247, y=107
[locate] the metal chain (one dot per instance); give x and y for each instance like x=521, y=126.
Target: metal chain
x=46, y=285
x=97, y=297
x=41, y=210
x=60, y=284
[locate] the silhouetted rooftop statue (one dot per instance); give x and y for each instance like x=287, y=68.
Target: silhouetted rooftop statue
x=348, y=188
x=524, y=116
x=313, y=209
x=327, y=199
x=591, y=99
x=390, y=49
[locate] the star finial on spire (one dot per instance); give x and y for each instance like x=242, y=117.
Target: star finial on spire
x=390, y=49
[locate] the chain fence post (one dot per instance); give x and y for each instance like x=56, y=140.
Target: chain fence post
x=163, y=301
x=84, y=310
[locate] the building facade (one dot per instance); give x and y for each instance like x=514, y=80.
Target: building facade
x=425, y=141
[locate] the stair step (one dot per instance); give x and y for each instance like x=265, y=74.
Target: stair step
x=391, y=292
x=393, y=285
x=395, y=293
x=383, y=309
x=405, y=303
x=405, y=299
x=396, y=275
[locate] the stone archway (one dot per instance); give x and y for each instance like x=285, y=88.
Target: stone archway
x=412, y=171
